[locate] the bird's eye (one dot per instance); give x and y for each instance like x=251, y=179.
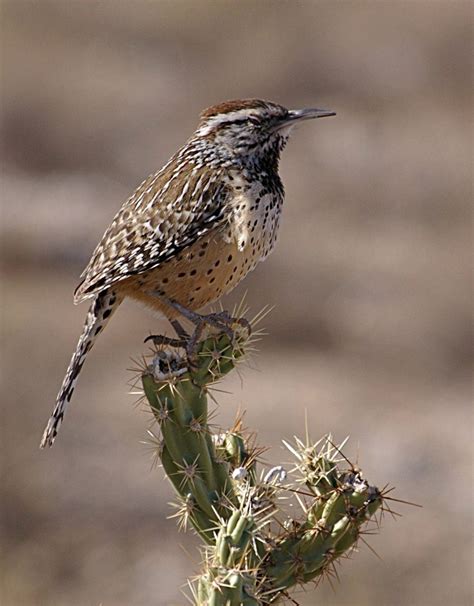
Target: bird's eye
x=254, y=121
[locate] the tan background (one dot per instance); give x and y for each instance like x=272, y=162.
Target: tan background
x=370, y=278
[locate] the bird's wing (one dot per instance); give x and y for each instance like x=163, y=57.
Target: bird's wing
x=165, y=214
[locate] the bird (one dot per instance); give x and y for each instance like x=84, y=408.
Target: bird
x=190, y=232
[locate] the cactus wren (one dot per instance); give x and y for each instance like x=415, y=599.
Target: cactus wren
x=190, y=232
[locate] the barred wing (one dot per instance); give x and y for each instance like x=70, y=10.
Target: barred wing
x=165, y=214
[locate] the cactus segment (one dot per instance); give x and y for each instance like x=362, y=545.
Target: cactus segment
x=255, y=550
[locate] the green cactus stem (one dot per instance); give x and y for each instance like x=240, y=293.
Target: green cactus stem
x=255, y=551
x=178, y=396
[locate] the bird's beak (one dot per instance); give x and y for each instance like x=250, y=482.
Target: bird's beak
x=295, y=115
x=298, y=115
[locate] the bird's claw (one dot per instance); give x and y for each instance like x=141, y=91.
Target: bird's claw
x=164, y=340
x=221, y=321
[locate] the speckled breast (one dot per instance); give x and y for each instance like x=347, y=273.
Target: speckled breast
x=214, y=264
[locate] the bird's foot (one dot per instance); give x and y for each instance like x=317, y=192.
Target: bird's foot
x=221, y=321
x=164, y=340
x=224, y=322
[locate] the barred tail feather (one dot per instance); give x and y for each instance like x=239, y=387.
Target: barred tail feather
x=101, y=309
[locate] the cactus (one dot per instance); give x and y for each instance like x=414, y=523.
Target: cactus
x=254, y=551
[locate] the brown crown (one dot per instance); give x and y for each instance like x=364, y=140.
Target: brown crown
x=232, y=106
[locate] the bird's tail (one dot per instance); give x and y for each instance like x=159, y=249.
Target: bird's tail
x=102, y=307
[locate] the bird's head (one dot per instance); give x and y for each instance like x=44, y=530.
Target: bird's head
x=252, y=127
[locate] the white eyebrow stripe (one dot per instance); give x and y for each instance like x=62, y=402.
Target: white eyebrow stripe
x=240, y=114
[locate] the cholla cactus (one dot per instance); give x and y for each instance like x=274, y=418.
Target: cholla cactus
x=255, y=551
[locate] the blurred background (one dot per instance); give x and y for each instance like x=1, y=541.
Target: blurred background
x=370, y=279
